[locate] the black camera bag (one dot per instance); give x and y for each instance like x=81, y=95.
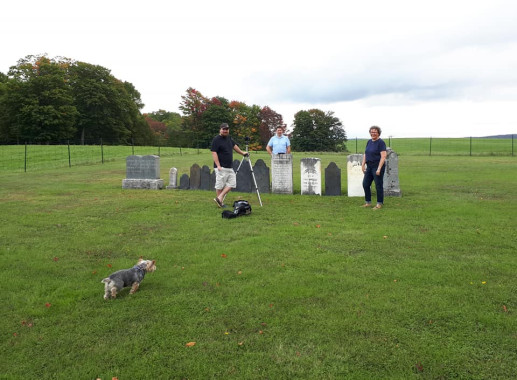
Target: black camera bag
x=240, y=207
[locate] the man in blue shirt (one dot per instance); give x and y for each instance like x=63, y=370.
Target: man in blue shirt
x=279, y=144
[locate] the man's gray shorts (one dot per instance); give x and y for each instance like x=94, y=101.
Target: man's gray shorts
x=225, y=178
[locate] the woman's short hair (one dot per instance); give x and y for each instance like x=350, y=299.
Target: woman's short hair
x=378, y=129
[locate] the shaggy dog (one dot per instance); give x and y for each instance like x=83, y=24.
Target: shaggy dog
x=127, y=277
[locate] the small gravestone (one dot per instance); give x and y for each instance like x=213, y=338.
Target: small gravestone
x=212, y=180
x=195, y=177
x=391, y=175
x=205, y=178
x=310, y=169
x=142, y=172
x=184, y=182
x=173, y=178
x=261, y=172
x=282, y=174
x=355, y=175
x=332, y=179
x=244, y=178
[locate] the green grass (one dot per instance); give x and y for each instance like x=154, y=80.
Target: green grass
x=306, y=287
x=19, y=158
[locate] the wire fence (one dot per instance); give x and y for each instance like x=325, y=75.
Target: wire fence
x=25, y=157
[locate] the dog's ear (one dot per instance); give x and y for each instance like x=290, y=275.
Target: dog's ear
x=154, y=262
x=140, y=259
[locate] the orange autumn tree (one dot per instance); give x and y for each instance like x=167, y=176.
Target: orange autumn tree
x=246, y=123
x=202, y=117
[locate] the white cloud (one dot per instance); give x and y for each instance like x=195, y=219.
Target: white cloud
x=444, y=67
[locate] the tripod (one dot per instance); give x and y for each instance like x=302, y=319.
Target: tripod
x=247, y=157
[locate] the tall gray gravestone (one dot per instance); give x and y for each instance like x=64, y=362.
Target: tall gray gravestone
x=142, y=172
x=195, y=177
x=173, y=178
x=391, y=175
x=355, y=175
x=282, y=174
x=244, y=179
x=332, y=179
x=310, y=170
x=261, y=172
x=205, y=178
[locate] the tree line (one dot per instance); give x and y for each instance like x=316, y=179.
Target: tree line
x=46, y=100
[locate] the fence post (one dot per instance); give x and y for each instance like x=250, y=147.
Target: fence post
x=102, y=152
x=69, y=159
x=512, y=145
x=25, y=165
x=470, y=146
x=133, y=146
x=356, y=145
x=430, y=143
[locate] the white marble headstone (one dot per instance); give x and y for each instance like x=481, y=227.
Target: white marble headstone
x=355, y=175
x=310, y=169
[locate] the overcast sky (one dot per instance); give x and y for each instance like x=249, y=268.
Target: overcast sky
x=441, y=68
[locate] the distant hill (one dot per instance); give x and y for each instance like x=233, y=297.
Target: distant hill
x=497, y=137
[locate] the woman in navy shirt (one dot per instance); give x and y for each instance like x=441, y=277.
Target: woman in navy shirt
x=373, y=168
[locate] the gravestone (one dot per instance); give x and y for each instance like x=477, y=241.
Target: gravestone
x=310, y=170
x=391, y=175
x=332, y=179
x=184, y=182
x=261, y=176
x=244, y=179
x=142, y=172
x=212, y=180
x=195, y=177
x=173, y=178
x=355, y=175
x=282, y=174
x=205, y=178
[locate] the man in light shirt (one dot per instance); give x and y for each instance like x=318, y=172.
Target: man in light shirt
x=279, y=144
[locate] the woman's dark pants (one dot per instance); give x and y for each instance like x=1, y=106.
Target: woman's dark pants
x=369, y=177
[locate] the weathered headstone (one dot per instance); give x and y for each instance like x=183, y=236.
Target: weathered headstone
x=212, y=180
x=184, y=182
x=355, y=175
x=173, y=178
x=391, y=175
x=282, y=174
x=310, y=169
x=261, y=172
x=244, y=179
x=332, y=179
x=142, y=172
x=205, y=178
x=195, y=177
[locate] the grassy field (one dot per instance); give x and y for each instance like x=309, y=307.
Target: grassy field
x=306, y=287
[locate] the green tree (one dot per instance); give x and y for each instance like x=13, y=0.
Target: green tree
x=108, y=108
x=315, y=130
x=4, y=124
x=39, y=101
x=216, y=113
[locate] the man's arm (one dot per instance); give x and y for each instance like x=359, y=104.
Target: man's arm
x=216, y=160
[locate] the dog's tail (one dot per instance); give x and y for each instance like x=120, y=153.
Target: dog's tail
x=106, y=280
